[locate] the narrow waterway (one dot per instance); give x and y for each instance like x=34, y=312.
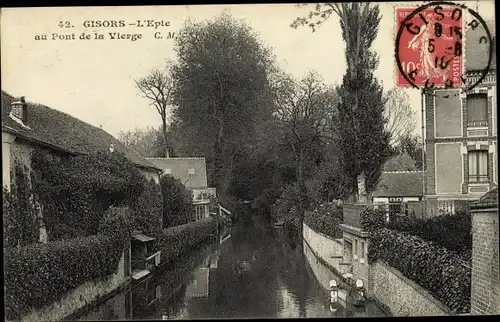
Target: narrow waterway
x=250, y=272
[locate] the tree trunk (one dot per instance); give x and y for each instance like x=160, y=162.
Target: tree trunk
x=165, y=144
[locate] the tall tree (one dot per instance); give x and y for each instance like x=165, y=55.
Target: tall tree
x=157, y=87
x=305, y=110
x=222, y=90
x=364, y=141
x=399, y=115
x=400, y=162
x=411, y=145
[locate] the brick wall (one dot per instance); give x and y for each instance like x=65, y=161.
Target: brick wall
x=485, y=288
x=351, y=214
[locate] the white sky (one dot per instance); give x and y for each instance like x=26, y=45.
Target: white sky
x=93, y=80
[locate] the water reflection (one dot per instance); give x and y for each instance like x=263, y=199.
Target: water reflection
x=253, y=273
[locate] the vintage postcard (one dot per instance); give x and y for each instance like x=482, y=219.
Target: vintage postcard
x=250, y=161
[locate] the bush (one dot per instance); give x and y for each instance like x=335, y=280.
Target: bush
x=289, y=198
x=432, y=267
x=75, y=192
x=450, y=231
x=177, y=202
x=325, y=220
x=372, y=219
x=40, y=274
x=176, y=240
x=148, y=209
x=292, y=225
x=118, y=223
x=19, y=212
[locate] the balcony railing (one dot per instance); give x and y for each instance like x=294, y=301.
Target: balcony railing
x=480, y=178
x=203, y=194
x=473, y=124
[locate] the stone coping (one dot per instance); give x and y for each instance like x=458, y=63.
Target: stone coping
x=337, y=240
x=491, y=206
x=354, y=230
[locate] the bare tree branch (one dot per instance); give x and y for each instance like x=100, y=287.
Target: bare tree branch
x=157, y=87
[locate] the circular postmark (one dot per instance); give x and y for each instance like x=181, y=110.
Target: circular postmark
x=429, y=47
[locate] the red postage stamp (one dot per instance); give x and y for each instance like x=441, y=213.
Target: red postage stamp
x=429, y=47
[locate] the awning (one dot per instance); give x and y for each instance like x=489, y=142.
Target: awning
x=143, y=238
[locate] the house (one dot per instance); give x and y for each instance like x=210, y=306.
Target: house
x=461, y=133
x=192, y=172
x=26, y=126
x=399, y=191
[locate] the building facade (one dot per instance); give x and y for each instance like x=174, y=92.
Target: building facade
x=399, y=192
x=461, y=134
x=192, y=172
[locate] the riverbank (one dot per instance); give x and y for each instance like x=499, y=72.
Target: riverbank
x=275, y=280
x=393, y=293
x=96, y=286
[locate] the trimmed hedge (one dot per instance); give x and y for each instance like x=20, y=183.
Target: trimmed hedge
x=75, y=192
x=148, y=209
x=372, y=219
x=177, y=202
x=176, y=240
x=434, y=268
x=40, y=274
x=117, y=223
x=450, y=231
x=325, y=221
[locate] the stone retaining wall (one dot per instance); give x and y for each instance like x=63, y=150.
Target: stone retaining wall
x=396, y=294
x=401, y=296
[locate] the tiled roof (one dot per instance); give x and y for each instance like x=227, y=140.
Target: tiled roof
x=399, y=184
x=476, y=56
x=179, y=168
x=61, y=131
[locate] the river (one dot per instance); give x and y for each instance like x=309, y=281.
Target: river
x=251, y=272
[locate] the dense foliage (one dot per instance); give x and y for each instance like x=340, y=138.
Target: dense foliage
x=148, y=209
x=451, y=231
x=175, y=240
x=118, y=223
x=372, y=219
x=325, y=221
x=434, y=268
x=177, y=202
x=293, y=226
x=20, y=220
x=40, y=274
x=221, y=93
x=75, y=192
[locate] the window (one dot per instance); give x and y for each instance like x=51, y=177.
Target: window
x=477, y=108
x=478, y=166
x=362, y=250
x=199, y=212
x=355, y=248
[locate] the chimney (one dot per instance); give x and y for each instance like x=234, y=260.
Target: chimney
x=19, y=109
